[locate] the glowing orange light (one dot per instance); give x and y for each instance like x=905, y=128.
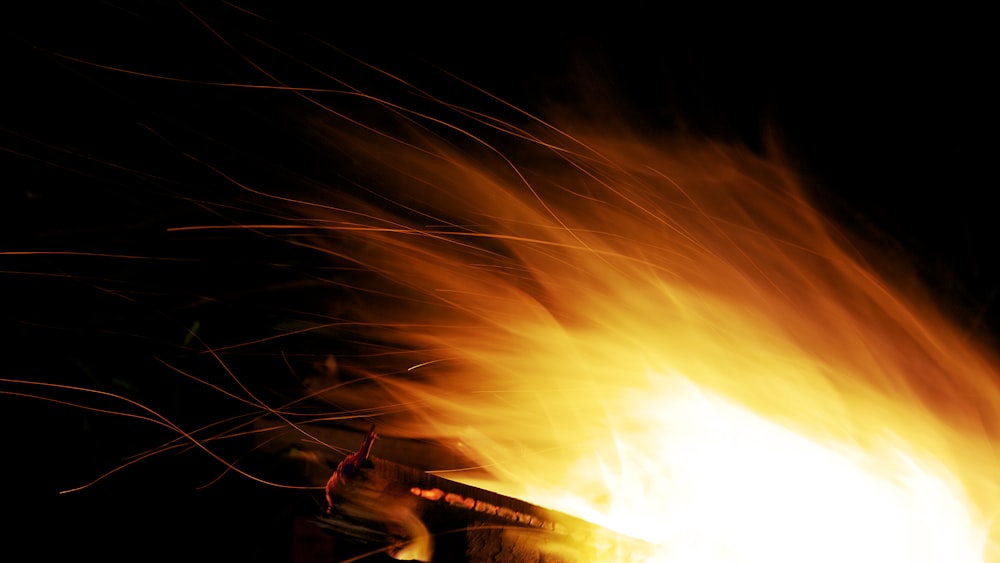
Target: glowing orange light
x=669, y=340
x=663, y=337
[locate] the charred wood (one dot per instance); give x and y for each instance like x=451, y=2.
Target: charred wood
x=386, y=508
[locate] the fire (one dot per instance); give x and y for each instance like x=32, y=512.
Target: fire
x=663, y=336
x=668, y=339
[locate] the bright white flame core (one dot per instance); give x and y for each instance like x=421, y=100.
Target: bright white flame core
x=710, y=481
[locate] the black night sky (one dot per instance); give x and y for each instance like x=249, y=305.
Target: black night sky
x=893, y=116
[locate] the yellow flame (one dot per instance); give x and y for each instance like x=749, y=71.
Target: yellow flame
x=668, y=339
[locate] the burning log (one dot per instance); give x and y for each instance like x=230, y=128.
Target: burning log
x=379, y=507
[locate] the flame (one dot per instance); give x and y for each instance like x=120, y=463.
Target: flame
x=663, y=336
x=668, y=339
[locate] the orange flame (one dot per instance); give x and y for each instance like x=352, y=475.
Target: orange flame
x=665, y=337
x=670, y=340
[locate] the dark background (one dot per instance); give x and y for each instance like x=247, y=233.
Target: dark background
x=892, y=117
